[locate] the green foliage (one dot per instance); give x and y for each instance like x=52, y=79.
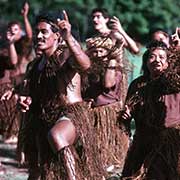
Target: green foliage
x=136, y=16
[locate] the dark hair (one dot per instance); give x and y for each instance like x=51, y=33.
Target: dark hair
x=13, y=23
x=104, y=12
x=156, y=30
x=154, y=44
x=51, y=18
x=150, y=47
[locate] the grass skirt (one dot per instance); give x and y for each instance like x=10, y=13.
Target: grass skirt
x=9, y=115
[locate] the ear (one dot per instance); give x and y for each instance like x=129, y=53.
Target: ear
x=107, y=20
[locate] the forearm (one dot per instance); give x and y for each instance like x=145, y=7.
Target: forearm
x=28, y=27
x=12, y=54
x=130, y=43
x=80, y=56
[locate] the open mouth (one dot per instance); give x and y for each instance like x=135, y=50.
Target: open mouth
x=156, y=66
x=95, y=24
x=39, y=43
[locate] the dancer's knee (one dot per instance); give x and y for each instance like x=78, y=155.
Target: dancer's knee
x=57, y=141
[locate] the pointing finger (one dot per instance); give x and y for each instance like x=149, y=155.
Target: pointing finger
x=65, y=16
x=114, y=17
x=176, y=31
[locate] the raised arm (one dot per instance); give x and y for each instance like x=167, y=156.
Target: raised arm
x=129, y=42
x=13, y=57
x=80, y=56
x=27, y=25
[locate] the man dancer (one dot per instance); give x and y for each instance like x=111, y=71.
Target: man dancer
x=53, y=98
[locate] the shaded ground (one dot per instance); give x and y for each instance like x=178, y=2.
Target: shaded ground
x=9, y=163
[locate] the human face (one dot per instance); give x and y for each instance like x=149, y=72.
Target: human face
x=100, y=52
x=99, y=21
x=157, y=62
x=16, y=31
x=160, y=36
x=46, y=39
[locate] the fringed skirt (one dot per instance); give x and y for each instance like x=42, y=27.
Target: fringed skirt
x=162, y=159
x=9, y=115
x=39, y=154
x=112, y=141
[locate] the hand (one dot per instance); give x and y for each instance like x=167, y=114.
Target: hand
x=24, y=102
x=65, y=26
x=90, y=102
x=116, y=25
x=126, y=113
x=10, y=36
x=25, y=9
x=7, y=95
x=176, y=39
x=117, y=30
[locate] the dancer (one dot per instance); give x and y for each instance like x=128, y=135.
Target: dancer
x=152, y=101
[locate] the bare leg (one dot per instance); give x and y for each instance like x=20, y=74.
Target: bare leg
x=60, y=137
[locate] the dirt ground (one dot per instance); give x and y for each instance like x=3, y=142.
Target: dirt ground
x=9, y=163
